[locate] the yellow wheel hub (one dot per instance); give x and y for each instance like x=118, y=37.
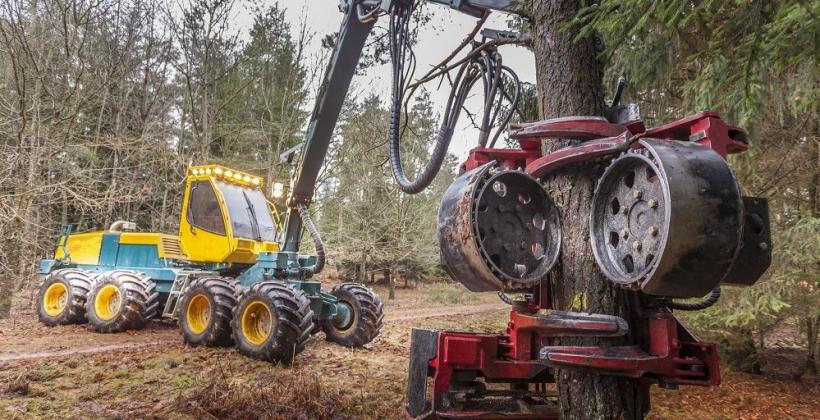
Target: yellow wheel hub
x=198, y=314
x=55, y=299
x=108, y=301
x=257, y=322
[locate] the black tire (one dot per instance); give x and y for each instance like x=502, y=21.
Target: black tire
x=215, y=328
x=137, y=296
x=75, y=284
x=367, y=319
x=289, y=324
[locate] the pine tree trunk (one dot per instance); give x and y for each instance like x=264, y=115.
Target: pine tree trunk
x=569, y=82
x=811, y=325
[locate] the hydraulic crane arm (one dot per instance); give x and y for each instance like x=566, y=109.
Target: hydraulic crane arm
x=358, y=21
x=336, y=83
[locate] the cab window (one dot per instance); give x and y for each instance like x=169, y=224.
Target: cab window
x=203, y=209
x=250, y=216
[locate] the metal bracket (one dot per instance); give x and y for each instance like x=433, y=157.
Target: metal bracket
x=497, y=34
x=423, y=344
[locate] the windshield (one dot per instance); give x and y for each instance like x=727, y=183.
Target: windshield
x=249, y=212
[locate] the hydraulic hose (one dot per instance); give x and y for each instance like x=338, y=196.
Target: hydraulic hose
x=698, y=306
x=317, y=241
x=506, y=299
x=484, y=64
x=399, y=47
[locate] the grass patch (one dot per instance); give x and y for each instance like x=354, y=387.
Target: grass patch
x=18, y=386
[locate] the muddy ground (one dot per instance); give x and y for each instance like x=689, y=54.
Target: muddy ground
x=72, y=371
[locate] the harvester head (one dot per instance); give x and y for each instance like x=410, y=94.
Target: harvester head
x=667, y=220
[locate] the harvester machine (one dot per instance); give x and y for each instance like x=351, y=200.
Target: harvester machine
x=224, y=277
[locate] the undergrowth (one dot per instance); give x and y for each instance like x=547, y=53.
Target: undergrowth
x=282, y=396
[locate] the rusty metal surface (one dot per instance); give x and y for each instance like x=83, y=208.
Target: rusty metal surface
x=498, y=230
x=677, y=231
x=671, y=356
x=554, y=323
x=584, y=152
x=577, y=127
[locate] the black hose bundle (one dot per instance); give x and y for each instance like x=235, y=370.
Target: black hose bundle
x=698, y=306
x=317, y=240
x=484, y=64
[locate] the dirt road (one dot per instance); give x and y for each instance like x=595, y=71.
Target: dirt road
x=26, y=340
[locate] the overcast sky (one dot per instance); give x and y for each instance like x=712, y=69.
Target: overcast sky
x=445, y=32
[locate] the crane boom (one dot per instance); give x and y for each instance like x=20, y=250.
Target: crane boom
x=336, y=83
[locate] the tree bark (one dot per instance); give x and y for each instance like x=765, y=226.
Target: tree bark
x=811, y=324
x=570, y=82
x=390, y=285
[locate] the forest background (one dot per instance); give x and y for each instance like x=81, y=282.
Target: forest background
x=104, y=104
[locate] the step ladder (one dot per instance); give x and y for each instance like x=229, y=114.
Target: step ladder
x=180, y=285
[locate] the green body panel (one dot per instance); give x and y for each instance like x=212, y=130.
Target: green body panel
x=289, y=266
x=110, y=249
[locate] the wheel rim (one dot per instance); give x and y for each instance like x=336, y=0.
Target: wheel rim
x=629, y=218
x=344, y=323
x=257, y=322
x=198, y=314
x=55, y=299
x=108, y=301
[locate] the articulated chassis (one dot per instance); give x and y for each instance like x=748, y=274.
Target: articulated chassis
x=456, y=374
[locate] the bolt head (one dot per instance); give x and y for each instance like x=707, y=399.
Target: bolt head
x=624, y=210
x=764, y=246
x=624, y=233
x=637, y=194
x=637, y=245
x=653, y=203
x=653, y=231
